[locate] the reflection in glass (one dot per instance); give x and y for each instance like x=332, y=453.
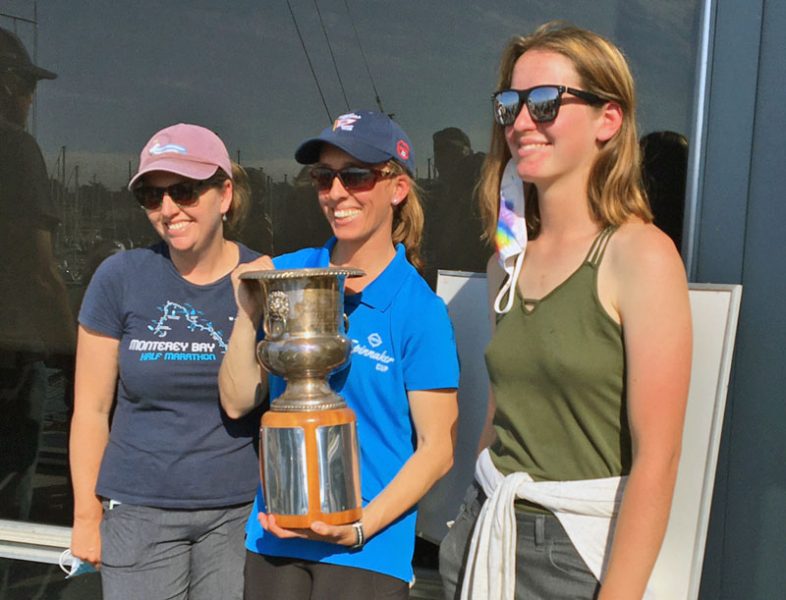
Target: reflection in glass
x=21, y=580
x=36, y=322
x=664, y=158
x=238, y=68
x=451, y=208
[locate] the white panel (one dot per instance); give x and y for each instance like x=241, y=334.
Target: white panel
x=714, y=309
x=466, y=298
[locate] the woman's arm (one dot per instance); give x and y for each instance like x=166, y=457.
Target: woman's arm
x=240, y=374
x=495, y=276
x=488, y=435
x=652, y=301
x=96, y=378
x=434, y=414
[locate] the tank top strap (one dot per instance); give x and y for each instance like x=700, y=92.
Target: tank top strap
x=598, y=248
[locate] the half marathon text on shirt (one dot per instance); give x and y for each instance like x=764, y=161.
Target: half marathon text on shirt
x=154, y=350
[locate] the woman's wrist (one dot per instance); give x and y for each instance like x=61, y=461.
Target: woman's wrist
x=91, y=518
x=360, y=536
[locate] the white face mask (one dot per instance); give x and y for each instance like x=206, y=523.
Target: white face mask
x=511, y=235
x=73, y=566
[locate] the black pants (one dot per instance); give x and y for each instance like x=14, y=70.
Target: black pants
x=275, y=578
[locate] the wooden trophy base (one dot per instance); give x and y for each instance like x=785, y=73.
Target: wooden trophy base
x=332, y=427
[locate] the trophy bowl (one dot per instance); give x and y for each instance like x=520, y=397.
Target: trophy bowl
x=308, y=439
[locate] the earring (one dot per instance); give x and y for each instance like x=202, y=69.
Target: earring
x=395, y=201
x=224, y=217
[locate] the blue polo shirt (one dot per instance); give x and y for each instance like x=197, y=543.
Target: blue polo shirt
x=402, y=340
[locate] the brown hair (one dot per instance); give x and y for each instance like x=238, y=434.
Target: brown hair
x=408, y=218
x=614, y=187
x=241, y=196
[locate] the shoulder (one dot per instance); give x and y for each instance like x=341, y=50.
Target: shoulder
x=17, y=138
x=23, y=153
x=414, y=290
x=246, y=253
x=644, y=266
x=426, y=340
x=137, y=262
x=495, y=278
x=417, y=307
x=495, y=274
x=638, y=247
x=304, y=258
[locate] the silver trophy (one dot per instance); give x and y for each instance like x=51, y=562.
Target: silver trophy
x=308, y=439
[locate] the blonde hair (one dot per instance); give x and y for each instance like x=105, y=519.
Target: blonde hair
x=614, y=188
x=408, y=218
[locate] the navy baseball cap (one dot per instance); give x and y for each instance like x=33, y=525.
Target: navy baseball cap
x=369, y=136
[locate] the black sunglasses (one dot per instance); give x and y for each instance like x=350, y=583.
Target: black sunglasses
x=185, y=193
x=354, y=179
x=543, y=102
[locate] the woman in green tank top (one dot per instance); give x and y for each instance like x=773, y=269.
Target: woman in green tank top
x=590, y=364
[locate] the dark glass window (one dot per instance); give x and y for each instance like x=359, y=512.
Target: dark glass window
x=125, y=70
x=22, y=580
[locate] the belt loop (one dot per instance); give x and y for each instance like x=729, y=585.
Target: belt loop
x=540, y=529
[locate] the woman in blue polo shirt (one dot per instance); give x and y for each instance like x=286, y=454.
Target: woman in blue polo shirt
x=401, y=384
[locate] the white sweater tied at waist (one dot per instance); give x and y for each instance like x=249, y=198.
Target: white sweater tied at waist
x=587, y=510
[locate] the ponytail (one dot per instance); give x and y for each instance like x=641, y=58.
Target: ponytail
x=408, y=220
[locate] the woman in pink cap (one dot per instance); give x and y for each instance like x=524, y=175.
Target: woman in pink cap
x=161, y=498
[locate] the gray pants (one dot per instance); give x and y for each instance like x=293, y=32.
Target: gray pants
x=161, y=554
x=547, y=565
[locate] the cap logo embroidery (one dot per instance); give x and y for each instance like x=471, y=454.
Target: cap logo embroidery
x=346, y=122
x=159, y=149
x=402, y=149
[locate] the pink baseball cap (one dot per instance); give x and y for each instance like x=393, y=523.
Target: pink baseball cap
x=188, y=150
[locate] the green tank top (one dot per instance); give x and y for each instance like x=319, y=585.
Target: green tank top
x=557, y=369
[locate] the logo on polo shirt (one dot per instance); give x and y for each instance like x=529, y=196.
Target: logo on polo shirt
x=382, y=359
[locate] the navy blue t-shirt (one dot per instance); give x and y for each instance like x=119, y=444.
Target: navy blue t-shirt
x=170, y=444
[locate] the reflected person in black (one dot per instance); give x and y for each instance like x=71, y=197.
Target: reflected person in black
x=664, y=168
x=36, y=324
x=454, y=229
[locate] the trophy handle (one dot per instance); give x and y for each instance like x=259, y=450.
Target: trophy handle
x=275, y=322
x=346, y=322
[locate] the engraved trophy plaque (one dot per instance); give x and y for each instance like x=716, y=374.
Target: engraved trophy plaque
x=308, y=439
